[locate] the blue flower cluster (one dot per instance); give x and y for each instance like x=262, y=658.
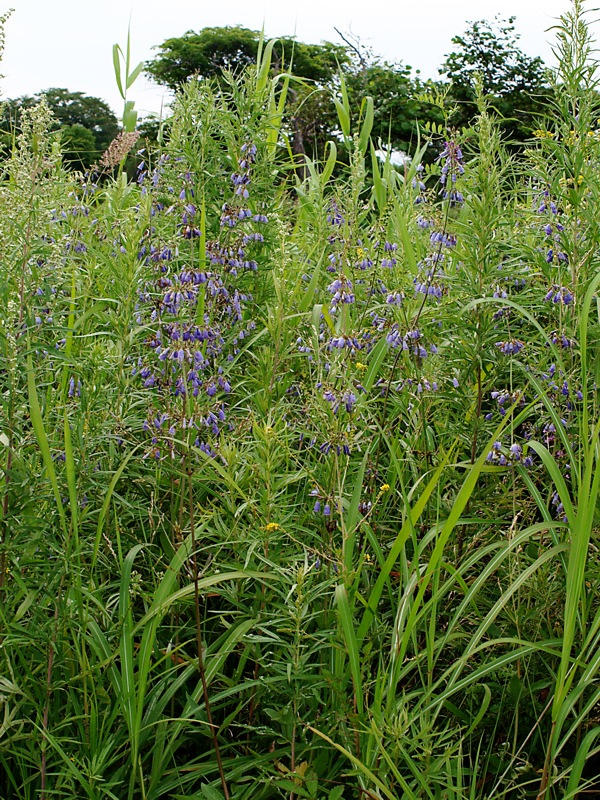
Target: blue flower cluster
x=195, y=311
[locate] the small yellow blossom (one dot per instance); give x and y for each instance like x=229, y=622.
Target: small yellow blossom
x=270, y=527
x=385, y=488
x=361, y=366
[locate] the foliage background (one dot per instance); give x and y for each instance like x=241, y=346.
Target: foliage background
x=300, y=466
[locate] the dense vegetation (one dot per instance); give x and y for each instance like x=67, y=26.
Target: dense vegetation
x=516, y=84
x=299, y=472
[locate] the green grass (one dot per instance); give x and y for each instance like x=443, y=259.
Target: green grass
x=303, y=502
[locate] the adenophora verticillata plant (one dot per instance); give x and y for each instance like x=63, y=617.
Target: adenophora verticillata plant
x=196, y=314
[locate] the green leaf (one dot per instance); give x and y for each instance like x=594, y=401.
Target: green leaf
x=362, y=768
x=129, y=116
x=343, y=107
x=128, y=49
x=352, y=517
x=367, y=124
x=131, y=79
x=330, y=163
x=37, y=423
x=379, y=189
x=210, y=792
x=412, y=518
x=117, y=55
x=352, y=645
x=487, y=697
x=202, y=260
x=343, y=116
x=276, y=110
x=107, y=500
x=376, y=359
x=128, y=680
x=579, y=762
x=309, y=291
x=71, y=479
x=263, y=66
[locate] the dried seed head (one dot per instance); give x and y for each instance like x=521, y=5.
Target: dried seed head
x=119, y=148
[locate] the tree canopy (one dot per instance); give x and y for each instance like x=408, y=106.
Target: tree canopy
x=212, y=51
x=74, y=112
x=310, y=114
x=516, y=82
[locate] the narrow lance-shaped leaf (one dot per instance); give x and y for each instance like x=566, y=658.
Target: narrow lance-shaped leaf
x=71, y=479
x=367, y=124
x=343, y=107
x=379, y=189
x=116, y=51
x=37, y=422
x=350, y=520
x=352, y=644
x=263, y=67
x=133, y=76
x=330, y=162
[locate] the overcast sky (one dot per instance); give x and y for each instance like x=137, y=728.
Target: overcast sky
x=68, y=43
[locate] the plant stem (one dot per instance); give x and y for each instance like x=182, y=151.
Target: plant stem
x=201, y=670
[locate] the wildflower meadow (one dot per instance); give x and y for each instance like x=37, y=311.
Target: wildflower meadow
x=299, y=467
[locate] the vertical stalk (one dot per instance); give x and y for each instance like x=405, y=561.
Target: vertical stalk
x=46, y=713
x=201, y=670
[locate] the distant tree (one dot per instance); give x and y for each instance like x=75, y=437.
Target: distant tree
x=76, y=108
x=78, y=145
x=205, y=54
x=398, y=111
x=212, y=51
x=516, y=82
x=72, y=112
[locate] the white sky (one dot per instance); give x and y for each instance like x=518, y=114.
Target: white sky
x=68, y=43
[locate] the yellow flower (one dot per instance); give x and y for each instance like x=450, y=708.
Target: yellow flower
x=360, y=366
x=385, y=488
x=270, y=527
